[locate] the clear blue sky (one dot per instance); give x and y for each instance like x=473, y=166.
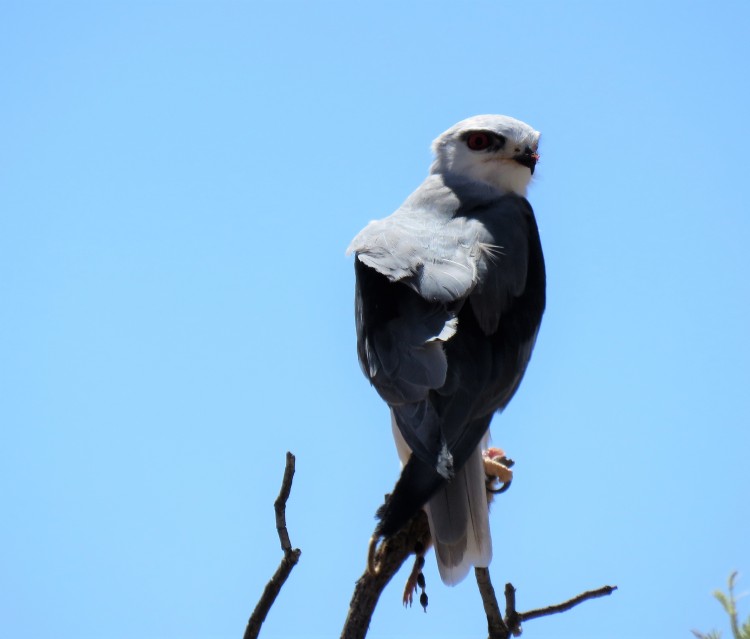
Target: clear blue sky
x=178, y=184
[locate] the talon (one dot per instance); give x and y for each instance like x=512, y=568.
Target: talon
x=409, y=589
x=498, y=470
x=497, y=467
x=502, y=489
x=371, y=551
x=416, y=578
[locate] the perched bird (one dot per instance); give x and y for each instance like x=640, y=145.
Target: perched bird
x=450, y=291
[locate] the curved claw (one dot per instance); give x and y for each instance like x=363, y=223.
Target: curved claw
x=502, y=489
x=416, y=578
x=372, y=549
x=497, y=467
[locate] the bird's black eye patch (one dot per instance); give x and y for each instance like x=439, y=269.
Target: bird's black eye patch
x=483, y=140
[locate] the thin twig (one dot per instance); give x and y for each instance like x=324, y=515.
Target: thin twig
x=499, y=628
x=288, y=561
x=279, y=506
x=567, y=605
x=512, y=617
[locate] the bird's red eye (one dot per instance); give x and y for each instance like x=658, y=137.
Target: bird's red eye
x=478, y=141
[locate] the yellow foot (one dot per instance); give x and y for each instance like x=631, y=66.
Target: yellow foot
x=411, y=583
x=416, y=580
x=497, y=467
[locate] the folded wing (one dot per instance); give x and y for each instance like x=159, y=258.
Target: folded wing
x=448, y=301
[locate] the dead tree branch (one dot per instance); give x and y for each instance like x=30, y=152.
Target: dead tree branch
x=496, y=626
x=565, y=605
x=288, y=561
x=391, y=555
x=388, y=558
x=503, y=628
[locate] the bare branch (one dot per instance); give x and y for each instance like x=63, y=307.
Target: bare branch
x=388, y=558
x=288, y=561
x=495, y=625
x=279, y=505
x=567, y=605
x=512, y=618
x=500, y=628
x=383, y=563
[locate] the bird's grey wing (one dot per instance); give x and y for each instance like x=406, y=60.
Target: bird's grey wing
x=415, y=270
x=503, y=243
x=399, y=337
x=487, y=354
x=436, y=359
x=433, y=256
x=408, y=271
x=487, y=358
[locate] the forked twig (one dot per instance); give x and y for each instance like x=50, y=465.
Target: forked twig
x=495, y=624
x=503, y=628
x=387, y=559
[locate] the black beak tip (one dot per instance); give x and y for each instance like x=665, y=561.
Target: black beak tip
x=528, y=159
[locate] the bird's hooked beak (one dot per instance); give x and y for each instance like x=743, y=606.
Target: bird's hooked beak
x=528, y=158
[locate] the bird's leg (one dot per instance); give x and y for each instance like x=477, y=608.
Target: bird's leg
x=497, y=467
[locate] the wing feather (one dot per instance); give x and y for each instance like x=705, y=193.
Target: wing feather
x=449, y=297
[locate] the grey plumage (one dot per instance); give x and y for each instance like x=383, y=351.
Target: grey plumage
x=449, y=297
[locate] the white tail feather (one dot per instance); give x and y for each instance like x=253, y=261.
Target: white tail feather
x=459, y=522
x=458, y=515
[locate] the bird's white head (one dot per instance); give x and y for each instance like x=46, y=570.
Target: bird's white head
x=493, y=149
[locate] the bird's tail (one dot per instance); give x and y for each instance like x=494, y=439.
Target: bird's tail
x=457, y=511
x=418, y=481
x=459, y=521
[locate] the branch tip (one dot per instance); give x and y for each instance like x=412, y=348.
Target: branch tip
x=288, y=561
